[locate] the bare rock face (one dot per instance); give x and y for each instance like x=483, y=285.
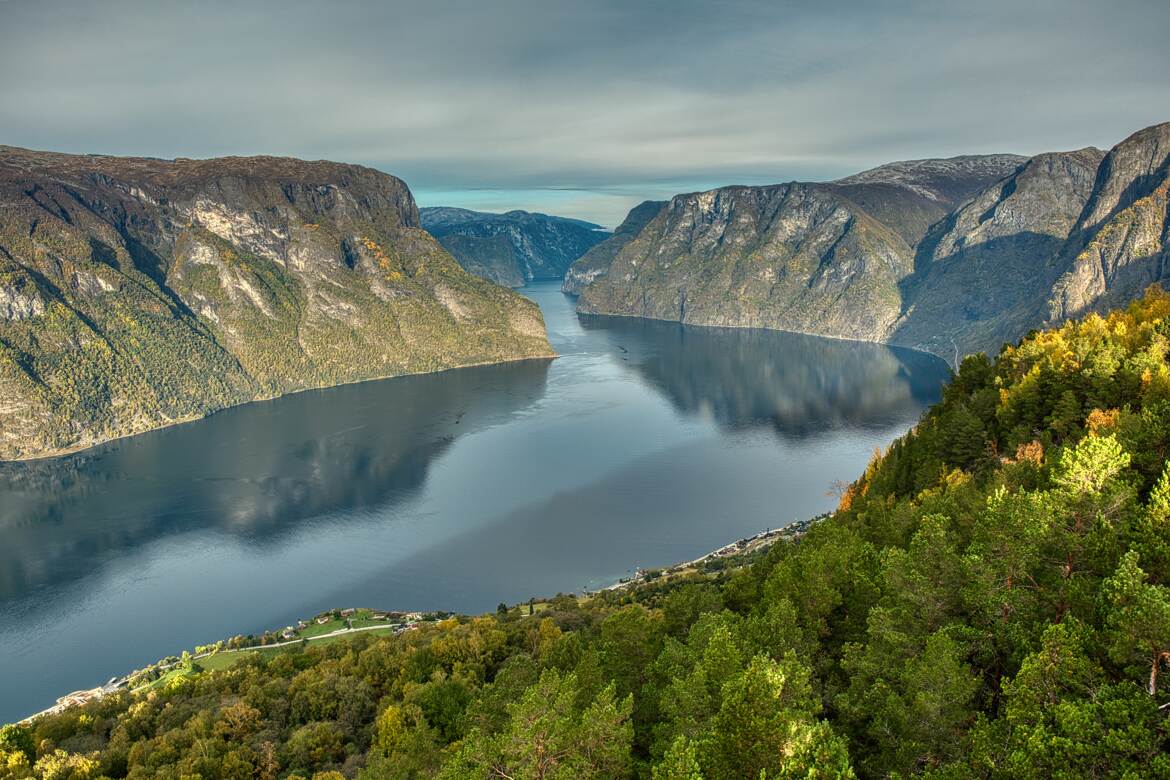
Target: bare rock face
x=1121, y=244
x=826, y=259
x=951, y=256
x=136, y=292
x=982, y=269
x=595, y=263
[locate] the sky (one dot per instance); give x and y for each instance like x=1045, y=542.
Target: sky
x=578, y=107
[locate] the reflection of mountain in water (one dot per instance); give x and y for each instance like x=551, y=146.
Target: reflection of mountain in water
x=253, y=470
x=801, y=385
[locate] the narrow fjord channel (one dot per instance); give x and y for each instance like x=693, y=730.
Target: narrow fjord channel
x=645, y=443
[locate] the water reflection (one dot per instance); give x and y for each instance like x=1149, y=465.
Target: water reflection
x=255, y=471
x=646, y=443
x=799, y=385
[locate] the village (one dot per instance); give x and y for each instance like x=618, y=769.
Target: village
x=327, y=626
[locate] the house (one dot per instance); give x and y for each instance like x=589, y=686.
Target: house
x=348, y=613
x=289, y=633
x=322, y=620
x=378, y=616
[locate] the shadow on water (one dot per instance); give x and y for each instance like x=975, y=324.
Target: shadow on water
x=801, y=386
x=257, y=472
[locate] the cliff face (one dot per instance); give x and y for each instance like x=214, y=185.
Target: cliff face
x=135, y=293
x=542, y=246
x=952, y=256
x=1121, y=244
x=595, y=263
x=825, y=259
x=981, y=270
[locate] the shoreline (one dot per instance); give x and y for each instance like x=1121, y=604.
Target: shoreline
x=409, y=622
x=918, y=349
x=60, y=453
x=757, y=542
x=749, y=544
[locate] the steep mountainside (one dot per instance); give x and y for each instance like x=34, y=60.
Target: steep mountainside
x=494, y=258
x=815, y=258
x=1122, y=243
x=953, y=256
x=542, y=246
x=595, y=263
x=982, y=269
x=136, y=292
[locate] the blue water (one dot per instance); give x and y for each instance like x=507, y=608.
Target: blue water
x=645, y=443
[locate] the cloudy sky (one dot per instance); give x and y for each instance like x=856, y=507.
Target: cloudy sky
x=576, y=107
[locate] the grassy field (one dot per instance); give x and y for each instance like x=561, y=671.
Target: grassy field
x=218, y=661
x=317, y=629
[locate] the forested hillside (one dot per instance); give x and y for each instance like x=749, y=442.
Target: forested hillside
x=137, y=293
x=992, y=599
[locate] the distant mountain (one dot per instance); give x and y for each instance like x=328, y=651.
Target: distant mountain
x=822, y=258
x=513, y=248
x=951, y=256
x=595, y=263
x=136, y=293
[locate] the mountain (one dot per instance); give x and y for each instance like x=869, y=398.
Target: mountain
x=952, y=256
x=513, y=248
x=821, y=258
x=595, y=263
x=1121, y=244
x=136, y=293
x=982, y=270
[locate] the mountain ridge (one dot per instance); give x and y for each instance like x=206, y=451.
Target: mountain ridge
x=950, y=256
x=137, y=292
x=512, y=248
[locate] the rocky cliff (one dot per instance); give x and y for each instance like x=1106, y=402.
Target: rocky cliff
x=1121, y=244
x=135, y=293
x=595, y=263
x=952, y=256
x=982, y=269
x=821, y=258
x=513, y=248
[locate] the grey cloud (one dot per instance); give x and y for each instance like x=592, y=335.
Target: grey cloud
x=594, y=96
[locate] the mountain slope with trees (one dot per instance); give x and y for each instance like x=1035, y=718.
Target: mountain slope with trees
x=512, y=248
x=991, y=599
x=595, y=263
x=136, y=293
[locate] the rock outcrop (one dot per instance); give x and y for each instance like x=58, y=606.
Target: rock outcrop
x=821, y=258
x=135, y=293
x=1121, y=244
x=513, y=248
x=982, y=269
x=595, y=263
x=951, y=256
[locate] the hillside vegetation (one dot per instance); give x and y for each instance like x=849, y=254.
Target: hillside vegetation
x=136, y=293
x=991, y=599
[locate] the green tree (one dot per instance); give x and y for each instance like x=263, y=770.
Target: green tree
x=680, y=762
x=1138, y=619
x=548, y=738
x=764, y=723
